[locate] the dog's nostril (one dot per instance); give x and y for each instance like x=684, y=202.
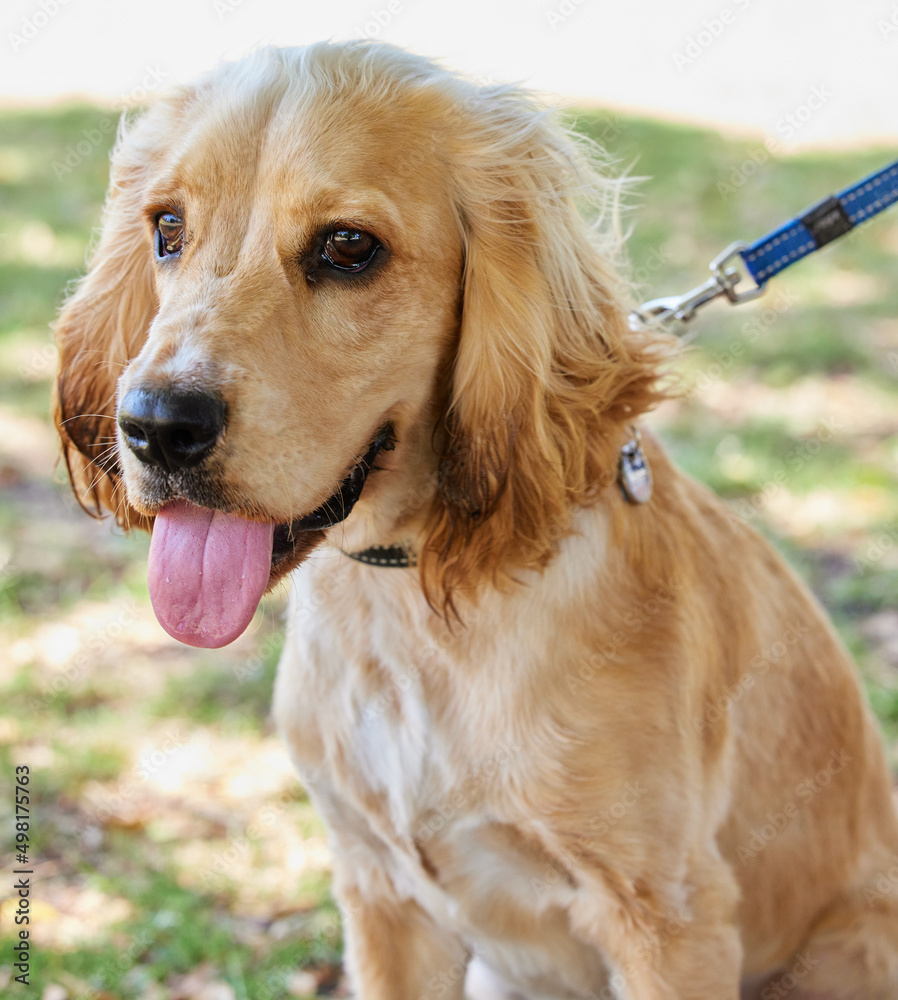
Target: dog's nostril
x=134, y=433
x=169, y=428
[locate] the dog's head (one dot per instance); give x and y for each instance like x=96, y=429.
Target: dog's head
x=320, y=262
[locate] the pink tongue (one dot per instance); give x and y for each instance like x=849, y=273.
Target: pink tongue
x=207, y=573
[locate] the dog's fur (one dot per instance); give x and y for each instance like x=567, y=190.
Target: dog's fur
x=606, y=750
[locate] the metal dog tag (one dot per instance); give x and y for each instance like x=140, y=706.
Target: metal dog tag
x=633, y=472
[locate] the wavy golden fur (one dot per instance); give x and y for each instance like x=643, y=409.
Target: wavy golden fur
x=587, y=749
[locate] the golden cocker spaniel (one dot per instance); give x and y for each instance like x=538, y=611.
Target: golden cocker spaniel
x=575, y=735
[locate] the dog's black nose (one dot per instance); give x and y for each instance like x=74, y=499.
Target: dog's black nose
x=174, y=429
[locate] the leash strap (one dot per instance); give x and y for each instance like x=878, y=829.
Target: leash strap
x=814, y=228
x=821, y=224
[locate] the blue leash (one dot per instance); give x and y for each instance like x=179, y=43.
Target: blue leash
x=814, y=228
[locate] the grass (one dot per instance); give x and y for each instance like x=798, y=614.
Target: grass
x=177, y=853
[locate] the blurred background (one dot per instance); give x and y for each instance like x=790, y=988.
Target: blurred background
x=176, y=855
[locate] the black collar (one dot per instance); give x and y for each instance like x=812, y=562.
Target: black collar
x=385, y=555
x=633, y=476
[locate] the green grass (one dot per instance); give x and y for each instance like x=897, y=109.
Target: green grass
x=203, y=697
x=767, y=381
x=176, y=931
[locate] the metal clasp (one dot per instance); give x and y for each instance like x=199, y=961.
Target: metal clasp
x=724, y=280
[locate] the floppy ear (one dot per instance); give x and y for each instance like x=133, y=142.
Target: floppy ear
x=102, y=326
x=547, y=374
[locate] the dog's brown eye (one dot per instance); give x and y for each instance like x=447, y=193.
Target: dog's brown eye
x=169, y=235
x=350, y=249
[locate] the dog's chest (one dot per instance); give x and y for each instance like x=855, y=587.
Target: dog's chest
x=391, y=746
x=418, y=771
x=380, y=726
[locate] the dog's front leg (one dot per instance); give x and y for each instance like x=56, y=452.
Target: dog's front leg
x=395, y=951
x=657, y=951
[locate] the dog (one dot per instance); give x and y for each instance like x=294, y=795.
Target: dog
x=574, y=732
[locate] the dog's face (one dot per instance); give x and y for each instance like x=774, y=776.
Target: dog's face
x=307, y=265
x=326, y=261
